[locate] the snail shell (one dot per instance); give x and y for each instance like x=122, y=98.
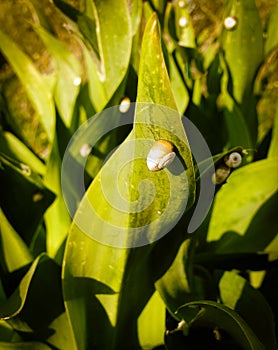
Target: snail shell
x=221, y=174
x=124, y=105
x=160, y=155
x=233, y=160
x=230, y=22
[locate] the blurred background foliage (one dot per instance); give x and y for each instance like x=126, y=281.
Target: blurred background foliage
x=64, y=61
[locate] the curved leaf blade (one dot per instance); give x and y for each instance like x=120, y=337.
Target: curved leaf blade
x=241, y=198
x=249, y=303
x=104, y=285
x=34, y=84
x=213, y=314
x=68, y=74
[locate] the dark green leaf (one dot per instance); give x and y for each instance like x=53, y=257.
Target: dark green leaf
x=211, y=314
x=243, y=207
x=24, y=197
x=237, y=294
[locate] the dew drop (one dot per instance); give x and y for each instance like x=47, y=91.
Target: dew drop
x=230, y=22
x=124, y=105
x=85, y=150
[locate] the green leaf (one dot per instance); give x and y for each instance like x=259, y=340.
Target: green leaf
x=57, y=218
x=175, y=286
x=24, y=346
x=243, y=45
x=16, y=301
x=211, y=314
x=68, y=74
x=7, y=333
x=97, y=91
x=14, y=148
x=236, y=124
x=272, y=34
x=114, y=41
x=243, y=52
x=273, y=148
x=34, y=84
x=36, y=306
x=23, y=196
x=249, y=303
x=15, y=254
x=184, y=27
x=243, y=200
x=238, y=132
x=151, y=323
x=85, y=21
x=109, y=286
x=135, y=8
x=179, y=90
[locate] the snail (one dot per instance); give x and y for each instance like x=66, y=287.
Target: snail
x=233, y=160
x=230, y=22
x=124, y=105
x=221, y=174
x=160, y=155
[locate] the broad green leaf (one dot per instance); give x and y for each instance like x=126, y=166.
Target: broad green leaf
x=107, y=60
x=114, y=41
x=249, y=303
x=68, y=74
x=136, y=13
x=238, y=133
x=85, y=21
x=179, y=90
x=273, y=148
x=106, y=286
x=37, y=305
x=15, y=253
x=175, y=286
x=28, y=345
x=97, y=91
x=272, y=34
x=62, y=336
x=14, y=148
x=243, y=199
x=24, y=197
x=16, y=301
x=243, y=52
x=33, y=82
x=243, y=45
x=6, y=332
x=159, y=6
x=212, y=314
x=236, y=124
x=57, y=218
x=135, y=9
x=184, y=28
x=151, y=323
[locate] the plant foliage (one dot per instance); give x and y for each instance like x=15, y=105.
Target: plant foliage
x=63, y=62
